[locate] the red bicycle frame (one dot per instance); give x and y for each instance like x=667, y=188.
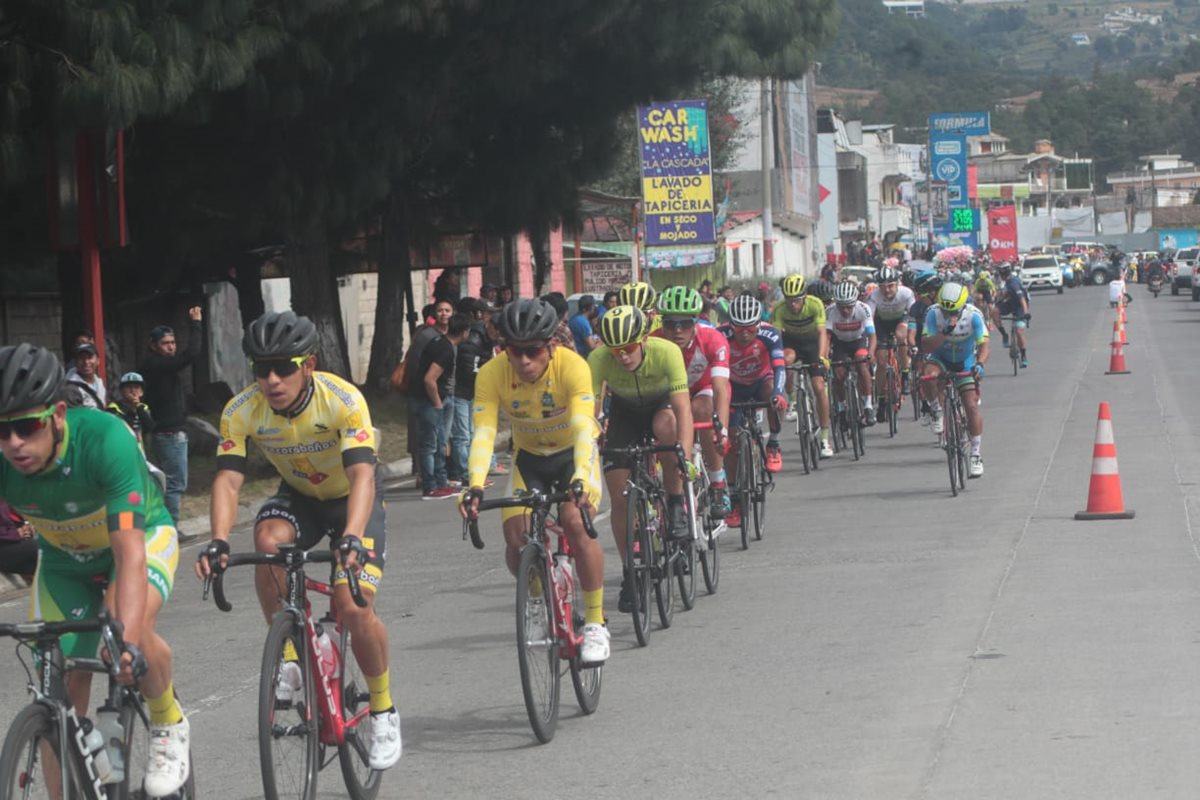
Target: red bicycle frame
x=329, y=687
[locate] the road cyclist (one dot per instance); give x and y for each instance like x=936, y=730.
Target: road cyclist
x=955, y=342
x=984, y=292
x=757, y=371
x=546, y=393
x=926, y=285
x=706, y=357
x=80, y=478
x=800, y=320
x=889, y=305
x=315, y=430
x=640, y=384
x=643, y=296
x=852, y=331
x=1013, y=302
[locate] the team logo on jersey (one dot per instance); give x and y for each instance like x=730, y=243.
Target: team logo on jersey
x=228, y=444
x=316, y=478
x=71, y=508
x=134, y=499
x=363, y=435
x=547, y=400
x=263, y=431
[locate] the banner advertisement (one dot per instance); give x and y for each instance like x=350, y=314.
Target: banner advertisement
x=1002, y=233
x=678, y=257
x=795, y=113
x=677, y=194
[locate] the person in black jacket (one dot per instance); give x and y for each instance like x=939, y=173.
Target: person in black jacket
x=473, y=352
x=161, y=370
x=129, y=407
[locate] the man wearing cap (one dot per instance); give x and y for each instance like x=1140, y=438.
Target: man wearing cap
x=161, y=370
x=85, y=388
x=488, y=293
x=129, y=407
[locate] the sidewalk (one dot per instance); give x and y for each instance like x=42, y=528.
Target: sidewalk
x=396, y=474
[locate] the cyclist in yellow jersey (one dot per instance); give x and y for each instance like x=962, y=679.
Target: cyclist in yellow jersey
x=315, y=429
x=647, y=383
x=546, y=392
x=800, y=319
x=644, y=297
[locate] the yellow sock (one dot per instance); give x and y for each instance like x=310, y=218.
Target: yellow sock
x=165, y=710
x=289, y=651
x=593, y=606
x=381, y=696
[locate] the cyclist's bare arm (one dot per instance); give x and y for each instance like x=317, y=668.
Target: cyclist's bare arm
x=681, y=405
x=132, y=584
x=721, y=396
x=227, y=485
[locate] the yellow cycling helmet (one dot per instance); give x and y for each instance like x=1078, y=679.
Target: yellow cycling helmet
x=622, y=325
x=793, y=286
x=639, y=294
x=952, y=297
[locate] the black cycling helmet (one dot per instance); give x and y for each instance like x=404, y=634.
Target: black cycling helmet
x=280, y=334
x=528, y=320
x=30, y=376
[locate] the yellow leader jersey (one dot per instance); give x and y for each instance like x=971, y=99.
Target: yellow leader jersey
x=549, y=415
x=311, y=449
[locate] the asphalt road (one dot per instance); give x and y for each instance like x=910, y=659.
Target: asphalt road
x=883, y=641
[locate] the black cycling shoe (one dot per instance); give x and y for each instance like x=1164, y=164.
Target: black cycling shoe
x=879, y=415
x=625, y=600
x=679, y=524
x=868, y=418
x=905, y=382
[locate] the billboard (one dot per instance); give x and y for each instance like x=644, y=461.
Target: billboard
x=796, y=115
x=677, y=196
x=1002, y=233
x=960, y=123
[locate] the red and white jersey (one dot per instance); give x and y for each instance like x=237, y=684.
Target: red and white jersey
x=850, y=327
x=706, y=357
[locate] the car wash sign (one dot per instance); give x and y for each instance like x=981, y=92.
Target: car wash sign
x=677, y=196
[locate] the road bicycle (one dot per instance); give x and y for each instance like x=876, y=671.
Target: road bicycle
x=807, y=425
x=1014, y=350
x=294, y=735
x=955, y=439
x=50, y=751
x=888, y=390
x=710, y=527
x=848, y=424
x=652, y=557
x=916, y=365
x=753, y=480
x=549, y=612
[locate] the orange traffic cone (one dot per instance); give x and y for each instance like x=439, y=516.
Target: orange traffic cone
x=1119, y=332
x=1104, y=491
x=1116, y=362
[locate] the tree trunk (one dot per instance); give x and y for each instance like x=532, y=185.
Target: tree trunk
x=387, y=346
x=315, y=295
x=538, y=236
x=248, y=280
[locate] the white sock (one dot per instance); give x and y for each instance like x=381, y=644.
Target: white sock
x=976, y=445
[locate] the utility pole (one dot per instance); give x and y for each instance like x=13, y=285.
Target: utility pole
x=765, y=132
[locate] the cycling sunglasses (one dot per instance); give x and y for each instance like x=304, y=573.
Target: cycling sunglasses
x=625, y=350
x=678, y=324
x=529, y=351
x=283, y=367
x=25, y=426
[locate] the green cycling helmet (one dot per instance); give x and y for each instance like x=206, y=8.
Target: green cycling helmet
x=680, y=301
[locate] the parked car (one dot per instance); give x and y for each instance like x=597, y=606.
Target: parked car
x=1185, y=267
x=859, y=273
x=1042, y=271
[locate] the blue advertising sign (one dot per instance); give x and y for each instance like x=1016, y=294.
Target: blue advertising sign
x=960, y=123
x=676, y=173
x=949, y=158
x=1177, y=238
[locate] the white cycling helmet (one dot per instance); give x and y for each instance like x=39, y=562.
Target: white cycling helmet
x=845, y=294
x=745, y=310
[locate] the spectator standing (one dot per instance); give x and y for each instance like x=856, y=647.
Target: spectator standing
x=161, y=370
x=723, y=300
x=581, y=326
x=85, y=388
x=430, y=390
x=18, y=548
x=473, y=352
x=562, y=334
x=448, y=286
x=129, y=407
x=505, y=294
x=488, y=293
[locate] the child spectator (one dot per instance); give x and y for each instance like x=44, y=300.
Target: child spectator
x=129, y=406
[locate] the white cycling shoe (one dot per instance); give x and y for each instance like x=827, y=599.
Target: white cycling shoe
x=936, y=424
x=385, y=740
x=595, y=644
x=975, y=470
x=169, y=762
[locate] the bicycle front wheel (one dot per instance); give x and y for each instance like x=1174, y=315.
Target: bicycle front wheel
x=537, y=647
x=29, y=765
x=362, y=782
x=893, y=402
x=950, y=421
x=288, y=719
x=854, y=420
x=586, y=680
x=638, y=558
x=746, y=484
x=664, y=557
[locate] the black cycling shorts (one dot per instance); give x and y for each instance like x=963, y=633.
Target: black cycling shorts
x=627, y=426
x=314, y=520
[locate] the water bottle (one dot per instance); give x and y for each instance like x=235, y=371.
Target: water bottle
x=566, y=579
x=325, y=653
x=93, y=742
x=108, y=723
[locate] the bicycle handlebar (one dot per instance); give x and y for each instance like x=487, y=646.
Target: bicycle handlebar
x=751, y=405
x=112, y=633
x=289, y=558
x=532, y=499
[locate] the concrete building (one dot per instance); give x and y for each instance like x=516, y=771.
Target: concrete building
x=909, y=8
x=1160, y=180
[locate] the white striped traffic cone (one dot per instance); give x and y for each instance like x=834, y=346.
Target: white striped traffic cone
x=1104, y=491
